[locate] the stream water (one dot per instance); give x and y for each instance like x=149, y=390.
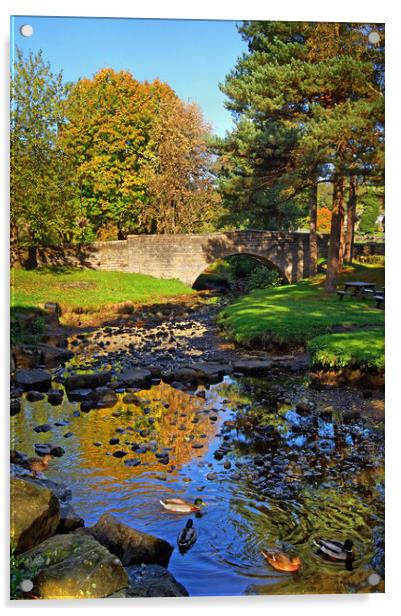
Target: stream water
x=296, y=479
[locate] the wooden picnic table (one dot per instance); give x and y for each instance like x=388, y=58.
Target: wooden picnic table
x=359, y=287
x=362, y=290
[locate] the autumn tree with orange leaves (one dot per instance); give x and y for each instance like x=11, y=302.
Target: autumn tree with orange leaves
x=140, y=157
x=182, y=196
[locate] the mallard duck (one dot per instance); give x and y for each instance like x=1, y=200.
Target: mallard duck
x=335, y=550
x=179, y=505
x=187, y=536
x=37, y=465
x=282, y=562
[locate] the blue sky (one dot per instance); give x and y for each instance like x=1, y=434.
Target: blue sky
x=192, y=56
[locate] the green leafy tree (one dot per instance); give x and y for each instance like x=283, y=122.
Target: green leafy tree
x=371, y=203
x=109, y=118
x=40, y=169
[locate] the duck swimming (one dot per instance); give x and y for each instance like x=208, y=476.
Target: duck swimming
x=282, y=562
x=187, y=536
x=336, y=551
x=37, y=465
x=179, y=505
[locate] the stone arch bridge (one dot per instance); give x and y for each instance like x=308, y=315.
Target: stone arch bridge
x=187, y=256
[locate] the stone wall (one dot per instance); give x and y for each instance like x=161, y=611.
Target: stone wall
x=112, y=256
x=186, y=256
x=368, y=249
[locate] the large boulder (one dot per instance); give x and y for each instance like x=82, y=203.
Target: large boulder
x=33, y=379
x=105, y=397
x=181, y=375
x=74, y=567
x=77, y=395
x=212, y=372
x=130, y=545
x=87, y=381
x=151, y=581
x=69, y=519
x=33, y=355
x=253, y=366
x=25, y=356
x=55, y=396
x=137, y=377
x=19, y=468
x=53, y=356
x=35, y=514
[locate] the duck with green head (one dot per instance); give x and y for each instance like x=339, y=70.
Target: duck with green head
x=179, y=505
x=335, y=551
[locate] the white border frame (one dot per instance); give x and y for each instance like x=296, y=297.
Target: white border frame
x=293, y=10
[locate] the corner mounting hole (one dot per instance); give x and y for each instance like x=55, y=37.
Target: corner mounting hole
x=26, y=30
x=374, y=37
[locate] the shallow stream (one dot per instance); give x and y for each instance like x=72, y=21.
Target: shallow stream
x=298, y=479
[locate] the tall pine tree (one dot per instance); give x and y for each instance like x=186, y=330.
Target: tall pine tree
x=311, y=93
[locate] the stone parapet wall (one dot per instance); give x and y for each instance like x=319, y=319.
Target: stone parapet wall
x=112, y=256
x=369, y=249
x=185, y=257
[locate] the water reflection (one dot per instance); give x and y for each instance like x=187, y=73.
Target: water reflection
x=309, y=481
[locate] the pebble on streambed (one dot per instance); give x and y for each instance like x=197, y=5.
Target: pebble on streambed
x=132, y=462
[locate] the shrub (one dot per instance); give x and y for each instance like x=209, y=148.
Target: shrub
x=241, y=266
x=26, y=330
x=19, y=573
x=262, y=277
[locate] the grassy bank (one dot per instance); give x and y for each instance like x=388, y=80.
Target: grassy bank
x=89, y=289
x=362, y=348
x=297, y=314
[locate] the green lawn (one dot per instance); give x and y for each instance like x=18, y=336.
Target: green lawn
x=363, y=348
x=89, y=289
x=296, y=314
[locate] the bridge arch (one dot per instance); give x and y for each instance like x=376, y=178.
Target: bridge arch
x=255, y=257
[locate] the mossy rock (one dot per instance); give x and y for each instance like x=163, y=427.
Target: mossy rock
x=131, y=546
x=35, y=514
x=74, y=567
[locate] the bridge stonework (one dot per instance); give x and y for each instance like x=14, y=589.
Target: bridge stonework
x=186, y=256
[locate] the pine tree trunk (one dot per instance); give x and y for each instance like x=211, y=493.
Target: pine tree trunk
x=312, y=231
x=335, y=235
x=351, y=217
x=342, y=245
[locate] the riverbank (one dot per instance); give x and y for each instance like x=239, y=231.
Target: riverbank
x=85, y=291
x=303, y=316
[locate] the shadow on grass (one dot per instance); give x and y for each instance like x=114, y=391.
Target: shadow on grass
x=56, y=269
